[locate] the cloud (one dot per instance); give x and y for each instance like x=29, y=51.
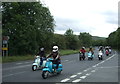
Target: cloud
x=92, y=16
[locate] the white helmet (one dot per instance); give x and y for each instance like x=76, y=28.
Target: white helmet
x=41, y=49
x=83, y=47
x=55, y=48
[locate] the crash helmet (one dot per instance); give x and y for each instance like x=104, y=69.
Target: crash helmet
x=55, y=48
x=83, y=47
x=41, y=49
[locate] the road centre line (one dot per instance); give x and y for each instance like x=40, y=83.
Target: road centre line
x=77, y=80
x=83, y=77
x=65, y=80
x=73, y=76
x=93, y=70
x=79, y=73
x=88, y=74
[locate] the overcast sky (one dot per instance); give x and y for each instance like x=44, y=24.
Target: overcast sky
x=97, y=17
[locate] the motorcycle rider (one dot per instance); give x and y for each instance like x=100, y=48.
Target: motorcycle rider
x=101, y=49
x=83, y=51
x=41, y=53
x=55, y=55
x=91, y=50
x=107, y=51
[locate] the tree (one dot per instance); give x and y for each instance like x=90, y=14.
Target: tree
x=86, y=39
x=60, y=41
x=29, y=25
x=72, y=40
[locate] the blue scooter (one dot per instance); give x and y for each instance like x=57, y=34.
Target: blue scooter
x=90, y=56
x=50, y=68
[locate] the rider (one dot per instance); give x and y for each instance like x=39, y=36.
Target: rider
x=101, y=49
x=83, y=51
x=55, y=55
x=41, y=53
x=91, y=50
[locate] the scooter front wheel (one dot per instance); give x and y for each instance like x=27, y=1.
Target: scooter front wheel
x=34, y=67
x=45, y=74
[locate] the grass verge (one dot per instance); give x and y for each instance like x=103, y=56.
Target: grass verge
x=31, y=57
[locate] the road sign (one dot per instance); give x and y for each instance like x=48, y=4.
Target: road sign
x=4, y=48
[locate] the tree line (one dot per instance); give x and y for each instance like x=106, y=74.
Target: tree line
x=30, y=25
x=113, y=39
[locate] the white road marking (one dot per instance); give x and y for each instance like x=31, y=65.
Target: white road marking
x=66, y=60
x=14, y=74
x=88, y=74
x=18, y=63
x=77, y=80
x=93, y=71
x=110, y=67
x=94, y=66
x=27, y=62
x=85, y=70
x=73, y=76
x=79, y=73
x=17, y=67
x=83, y=77
x=65, y=80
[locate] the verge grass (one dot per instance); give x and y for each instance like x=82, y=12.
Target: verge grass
x=31, y=57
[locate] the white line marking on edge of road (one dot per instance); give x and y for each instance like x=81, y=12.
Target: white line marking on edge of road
x=64, y=80
x=18, y=63
x=77, y=80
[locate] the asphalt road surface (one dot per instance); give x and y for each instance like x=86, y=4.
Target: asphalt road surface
x=73, y=70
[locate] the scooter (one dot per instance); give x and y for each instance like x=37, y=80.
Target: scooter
x=107, y=53
x=81, y=56
x=50, y=69
x=90, y=56
x=36, y=64
x=100, y=55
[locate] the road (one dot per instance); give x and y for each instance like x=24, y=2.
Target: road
x=73, y=70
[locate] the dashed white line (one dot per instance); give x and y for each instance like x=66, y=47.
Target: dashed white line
x=73, y=76
x=85, y=70
x=18, y=63
x=27, y=62
x=77, y=80
x=83, y=77
x=65, y=80
x=94, y=66
x=88, y=74
x=66, y=60
x=93, y=71
x=79, y=73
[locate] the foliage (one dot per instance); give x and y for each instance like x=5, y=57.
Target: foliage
x=72, y=40
x=86, y=39
x=29, y=25
x=114, y=39
x=60, y=41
